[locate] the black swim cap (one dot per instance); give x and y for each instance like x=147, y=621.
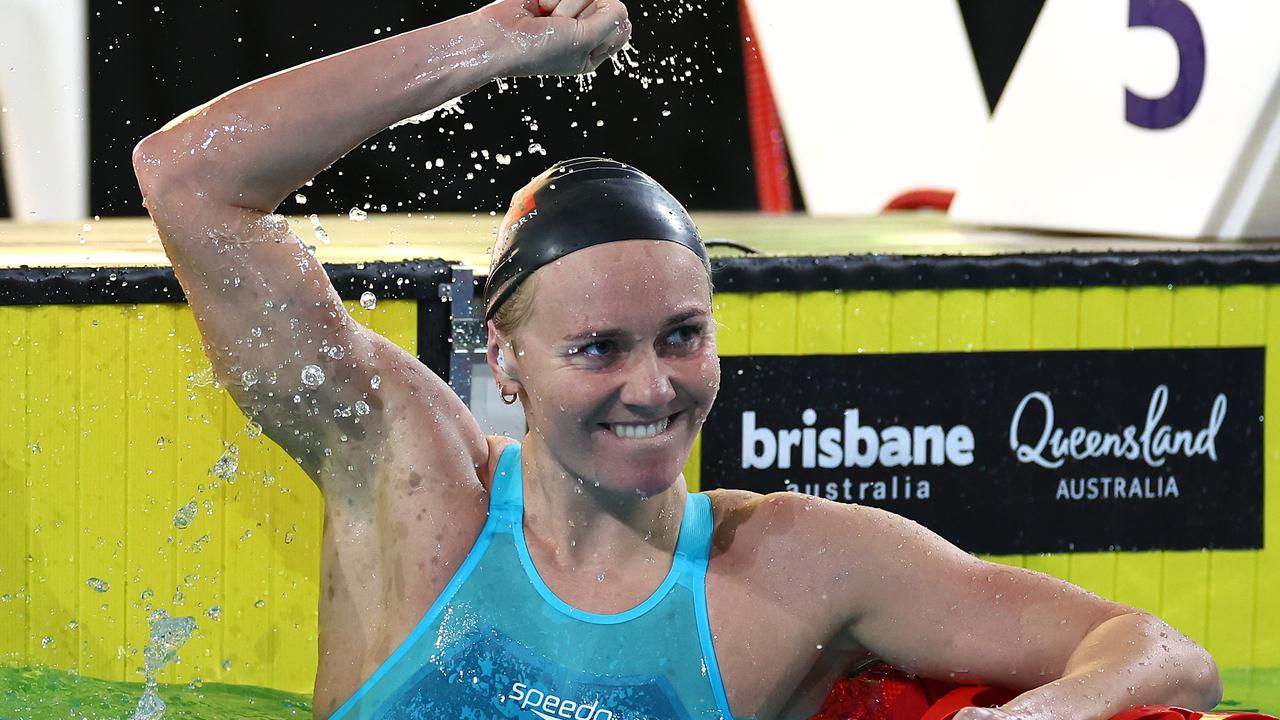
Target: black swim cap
x=577, y=204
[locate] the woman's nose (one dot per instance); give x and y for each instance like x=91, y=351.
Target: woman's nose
x=648, y=382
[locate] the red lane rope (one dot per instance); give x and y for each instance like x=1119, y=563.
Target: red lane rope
x=768, y=146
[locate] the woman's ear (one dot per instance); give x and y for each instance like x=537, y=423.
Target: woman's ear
x=502, y=363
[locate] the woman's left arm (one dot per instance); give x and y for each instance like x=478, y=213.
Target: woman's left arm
x=920, y=603
x=1129, y=659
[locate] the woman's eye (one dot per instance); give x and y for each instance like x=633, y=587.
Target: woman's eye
x=684, y=335
x=600, y=348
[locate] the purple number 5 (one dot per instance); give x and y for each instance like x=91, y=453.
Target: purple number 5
x=1175, y=18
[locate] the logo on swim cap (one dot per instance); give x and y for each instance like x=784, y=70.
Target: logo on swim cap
x=523, y=201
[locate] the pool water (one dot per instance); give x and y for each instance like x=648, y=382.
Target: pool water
x=44, y=694
x=1255, y=689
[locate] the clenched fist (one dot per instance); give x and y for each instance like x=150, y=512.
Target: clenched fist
x=555, y=37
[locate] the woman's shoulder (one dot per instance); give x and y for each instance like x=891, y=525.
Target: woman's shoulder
x=496, y=445
x=757, y=531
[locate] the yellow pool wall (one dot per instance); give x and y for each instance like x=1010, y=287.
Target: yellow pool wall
x=109, y=422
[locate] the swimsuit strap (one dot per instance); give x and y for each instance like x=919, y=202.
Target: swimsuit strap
x=506, y=490
x=693, y=547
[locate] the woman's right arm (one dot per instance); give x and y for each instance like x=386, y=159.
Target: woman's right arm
x=268, y=315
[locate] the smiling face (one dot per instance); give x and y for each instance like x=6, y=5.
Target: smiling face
x=617, y=362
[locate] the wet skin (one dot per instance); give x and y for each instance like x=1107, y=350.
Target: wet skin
x=797, y=587
x=619, y=333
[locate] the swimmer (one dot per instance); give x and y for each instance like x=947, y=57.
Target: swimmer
x=572, y=575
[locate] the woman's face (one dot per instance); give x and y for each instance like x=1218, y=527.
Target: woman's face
x=618, y=362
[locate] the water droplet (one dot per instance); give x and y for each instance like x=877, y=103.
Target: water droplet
x=46, y=642
x=300, y=199
x=214, y=613
x=335, y=351
x=318, y=230
x=375, y=382
x=368, y=300
x=253, y=429
x=312, y=376
x=199, y=543
x=357, y=214
x=248, y=378
x=362, y=407
x=260, y=604
x=35, y=448
x=227, y=465
x=185, y=515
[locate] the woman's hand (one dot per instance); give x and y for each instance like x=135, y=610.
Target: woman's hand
x=981, y=713
x=555, y=37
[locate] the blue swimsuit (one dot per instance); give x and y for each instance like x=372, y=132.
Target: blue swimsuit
x=498, y=644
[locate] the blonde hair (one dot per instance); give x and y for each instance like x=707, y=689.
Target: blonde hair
x=517, y=309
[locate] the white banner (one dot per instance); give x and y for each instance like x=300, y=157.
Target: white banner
x=1143, y=117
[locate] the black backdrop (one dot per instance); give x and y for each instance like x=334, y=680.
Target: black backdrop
x=153, y=59
x=689, y=131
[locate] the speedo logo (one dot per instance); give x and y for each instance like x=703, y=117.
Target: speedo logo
x=550, y=707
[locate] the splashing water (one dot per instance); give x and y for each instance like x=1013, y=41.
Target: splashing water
x=185, y=515
x=227, y=465
x=168, y=635
x=445, y=109
x=321, y=234
x=624, y=58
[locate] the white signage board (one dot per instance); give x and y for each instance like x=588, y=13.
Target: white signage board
x=876, y=98
x=1142, y=117
x=44, y=124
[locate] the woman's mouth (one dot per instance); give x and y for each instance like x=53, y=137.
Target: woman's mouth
x=639, y=431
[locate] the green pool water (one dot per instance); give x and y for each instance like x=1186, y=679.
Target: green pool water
x=44, y=694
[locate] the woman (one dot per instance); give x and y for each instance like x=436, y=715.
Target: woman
x=573, y=576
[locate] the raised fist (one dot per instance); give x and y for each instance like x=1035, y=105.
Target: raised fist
x=556, y=37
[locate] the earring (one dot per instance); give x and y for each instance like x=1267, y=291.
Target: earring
x=508, y=399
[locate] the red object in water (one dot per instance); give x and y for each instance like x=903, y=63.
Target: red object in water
x=768, y=147
x=882, y=692
x=922, y=200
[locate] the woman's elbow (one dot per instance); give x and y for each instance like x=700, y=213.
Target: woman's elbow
x=1206, y=680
